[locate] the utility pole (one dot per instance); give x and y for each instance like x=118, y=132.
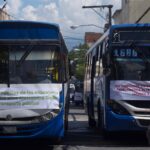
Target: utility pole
x=103, y=6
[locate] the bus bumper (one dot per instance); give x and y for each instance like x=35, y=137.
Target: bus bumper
x=50, y=129
x=115, y=122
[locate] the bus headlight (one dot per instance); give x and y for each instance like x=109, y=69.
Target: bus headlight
x=48, y=116
x=117, y=108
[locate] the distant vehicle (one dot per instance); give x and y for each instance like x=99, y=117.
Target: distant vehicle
x=71, y=92
x=72, y=86
x=78, y=96
x=117, y=79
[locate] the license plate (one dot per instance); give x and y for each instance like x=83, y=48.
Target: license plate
x=9, y=130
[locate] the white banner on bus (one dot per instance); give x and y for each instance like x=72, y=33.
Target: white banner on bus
x=30, y=96
x=130, y=90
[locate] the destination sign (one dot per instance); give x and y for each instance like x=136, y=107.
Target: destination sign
x=140, y=36
x=125, y=53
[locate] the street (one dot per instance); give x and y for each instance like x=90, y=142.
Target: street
x=81, y=137
x=80, y=134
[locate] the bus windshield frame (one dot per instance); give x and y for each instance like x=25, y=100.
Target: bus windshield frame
x=131, y=63
x=31, y=63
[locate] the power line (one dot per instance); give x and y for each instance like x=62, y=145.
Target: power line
x=103, y=6
x=99, y=14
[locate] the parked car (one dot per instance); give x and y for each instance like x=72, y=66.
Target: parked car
x=72, y=92
x=78, y=96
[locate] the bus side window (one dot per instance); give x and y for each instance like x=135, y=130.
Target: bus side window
x=86, y=67
x=65, y=69
x=103, y=47
x=89, y=67
x=97, y=61
x=93, y=66
x=100, y=60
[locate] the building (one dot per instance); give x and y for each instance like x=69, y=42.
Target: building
x=91, y=38
x=131, y=11
x=4, y=15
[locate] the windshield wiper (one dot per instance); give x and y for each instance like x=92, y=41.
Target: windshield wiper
x=24, y=56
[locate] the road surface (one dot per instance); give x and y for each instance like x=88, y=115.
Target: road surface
x=81, y=137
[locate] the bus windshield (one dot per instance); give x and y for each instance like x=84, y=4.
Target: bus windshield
x=129, y=64
x=30, y=64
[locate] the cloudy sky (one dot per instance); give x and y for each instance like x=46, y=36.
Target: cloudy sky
x=64, y=12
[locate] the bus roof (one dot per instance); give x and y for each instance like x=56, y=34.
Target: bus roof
x=113, y=27
x=129, y=25
x=28, y=22
x=10, y=30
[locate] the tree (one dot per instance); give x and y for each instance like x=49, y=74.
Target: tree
x=77, y=57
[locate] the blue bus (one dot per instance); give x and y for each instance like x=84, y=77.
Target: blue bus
x=117, y=79
x=33, y=80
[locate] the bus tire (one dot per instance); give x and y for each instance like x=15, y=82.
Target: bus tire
x=91, y=121
x=100, y=117
x=47, y=141
x=66, y=111
x=66, y=121
x=66, y=125
x=58, y=141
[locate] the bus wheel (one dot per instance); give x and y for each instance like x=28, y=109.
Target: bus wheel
x=66, y=121
x=58, y=141
x=66, y=125
x=100, y=117
x=47, y=141
x=91, y=120
x=66, y=113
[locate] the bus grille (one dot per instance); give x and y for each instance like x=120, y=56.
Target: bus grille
x=142, y=113
x=139, y=104
x=145, y=123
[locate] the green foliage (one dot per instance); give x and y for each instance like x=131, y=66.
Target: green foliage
x=77, y=56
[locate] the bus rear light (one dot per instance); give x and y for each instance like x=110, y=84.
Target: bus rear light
x=117, y=108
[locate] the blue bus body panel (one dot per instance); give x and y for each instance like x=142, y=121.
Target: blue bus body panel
x=27, y=30
x=115, y=122
x=130, y=25
x=51, y=129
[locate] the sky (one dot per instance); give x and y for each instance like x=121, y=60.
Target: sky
x=63, y=12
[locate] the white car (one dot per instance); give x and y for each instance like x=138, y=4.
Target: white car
x=72, y=92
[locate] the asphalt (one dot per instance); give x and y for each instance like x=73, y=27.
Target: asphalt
x=80, y=137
